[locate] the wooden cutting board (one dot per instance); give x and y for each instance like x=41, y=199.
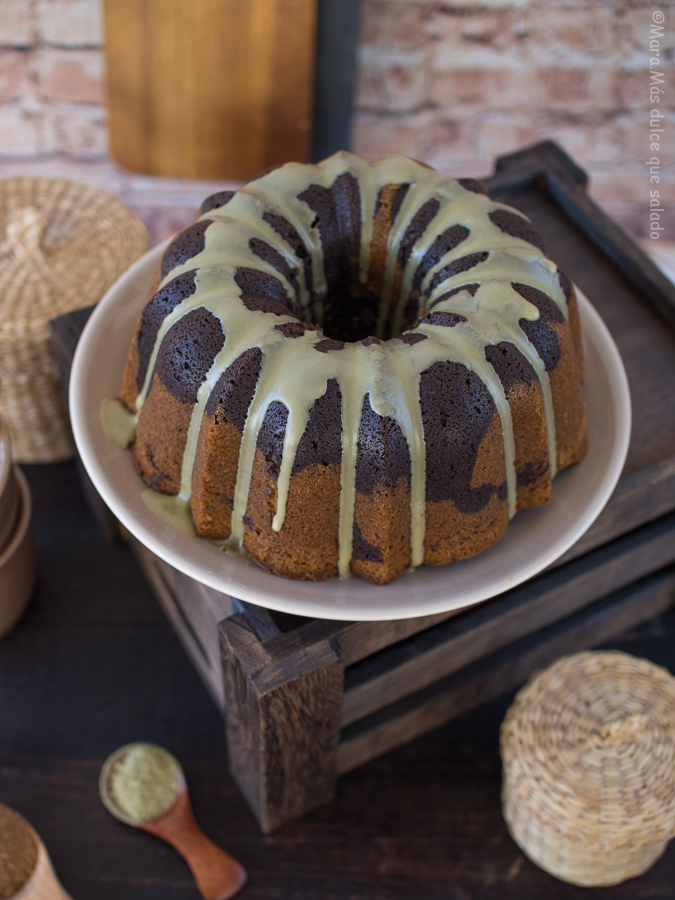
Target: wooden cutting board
x=209, y=88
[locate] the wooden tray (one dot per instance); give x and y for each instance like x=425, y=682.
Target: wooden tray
x=308, y=700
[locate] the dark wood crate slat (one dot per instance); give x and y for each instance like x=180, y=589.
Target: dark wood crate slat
x=214, y=605
x=208, y=666
x=638, y=498
x=547, y=167
x=65, y=332
x=630, y=259
x=282, y=723
x=530, y=163
x=357, y=640
x=260, y=620
x=493, y=676
x=416, y=663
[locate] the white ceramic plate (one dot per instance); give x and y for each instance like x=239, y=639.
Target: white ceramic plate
x=534, y=539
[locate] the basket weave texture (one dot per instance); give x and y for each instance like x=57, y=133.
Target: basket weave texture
x=62, y=244
x=588, y=749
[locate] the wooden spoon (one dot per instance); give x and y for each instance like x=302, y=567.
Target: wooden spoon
x=218, y=875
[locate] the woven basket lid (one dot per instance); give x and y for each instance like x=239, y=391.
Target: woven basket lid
x=62, y=244
x=588, y=748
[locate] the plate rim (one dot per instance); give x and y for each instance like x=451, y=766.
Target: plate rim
x=594, y=329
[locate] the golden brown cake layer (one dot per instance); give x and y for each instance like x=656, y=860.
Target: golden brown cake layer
x=356, y=367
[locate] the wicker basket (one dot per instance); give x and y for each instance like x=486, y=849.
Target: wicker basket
x=588, y=748
x=62, y=244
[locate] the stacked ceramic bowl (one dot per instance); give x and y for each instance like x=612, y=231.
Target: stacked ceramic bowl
x=17, y=554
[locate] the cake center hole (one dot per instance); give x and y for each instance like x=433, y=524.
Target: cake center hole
x=352, y=313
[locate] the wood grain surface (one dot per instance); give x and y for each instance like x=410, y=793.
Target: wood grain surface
x=282, y=723
x=412, y=665
x=94, y=664
x=510, y=667
x=209, y=88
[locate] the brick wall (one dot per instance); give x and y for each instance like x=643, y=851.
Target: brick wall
x=52, y=113
x=457, y=83
x=51, y=79
x=451, y=83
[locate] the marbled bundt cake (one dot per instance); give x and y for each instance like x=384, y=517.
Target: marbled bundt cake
x=356, y=367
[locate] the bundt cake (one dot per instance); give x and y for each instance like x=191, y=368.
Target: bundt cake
x=355, y=367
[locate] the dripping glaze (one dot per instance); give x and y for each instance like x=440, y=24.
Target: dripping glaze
x=389, y=371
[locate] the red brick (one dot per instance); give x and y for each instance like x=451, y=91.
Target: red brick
x=464, y=29
x=453, y=137
x=75, y=76
x=501, y=133
x=594, y=137
x=578, y=89
x=622, y=183
x=16, y=23
x=163, y=222
x=375, y=135
x=569, y=32
x=564, y=86
x=486, y=89
x=604, y=87
x=80, y=130
x=395, y=24
x=423, y=136
x=636, y=132
x=591, y=137
x=70, y=23
x=393, y=81
x=368, y=89
x=14, y=75
x=634, y=87
x=20, y=133
x=633, y=26
x=452, y=83
x=634, y=220
x=619, y=138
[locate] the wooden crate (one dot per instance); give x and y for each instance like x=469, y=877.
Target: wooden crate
x=305, y=705
x=307, y=700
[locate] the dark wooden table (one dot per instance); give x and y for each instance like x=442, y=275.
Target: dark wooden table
x=94, y=665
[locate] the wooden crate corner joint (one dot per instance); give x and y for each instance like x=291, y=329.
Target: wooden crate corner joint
x=282, y=722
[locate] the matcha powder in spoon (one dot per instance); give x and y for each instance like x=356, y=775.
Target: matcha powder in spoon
x=144, y=781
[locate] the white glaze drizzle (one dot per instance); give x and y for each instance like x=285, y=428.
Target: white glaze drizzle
x=295, y=374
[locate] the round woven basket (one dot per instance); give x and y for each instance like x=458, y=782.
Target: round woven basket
x=62, y=244
x=588, y=749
